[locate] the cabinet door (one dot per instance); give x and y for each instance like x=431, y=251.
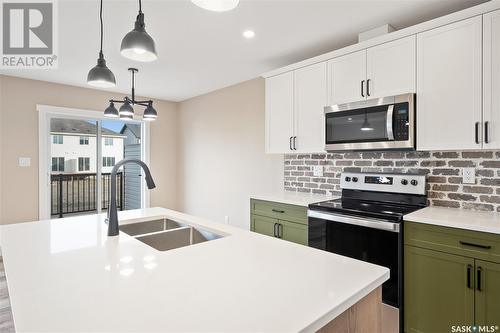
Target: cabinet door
x=449, y=86
x=310, y=100
x=346, y=77
x=263, y=225
x=391, y=68
x=279, y=113
x=491, y=80
x=487, y=293
x=293, y=232
x=437, y=291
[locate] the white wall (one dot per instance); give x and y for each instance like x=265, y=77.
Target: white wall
x=221, y=159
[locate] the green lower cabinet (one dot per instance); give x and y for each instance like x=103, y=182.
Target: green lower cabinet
x=293, y=232
x=487, y=293
x=438, y=292
x=264, y=225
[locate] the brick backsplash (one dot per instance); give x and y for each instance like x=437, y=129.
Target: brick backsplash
x=443, y=170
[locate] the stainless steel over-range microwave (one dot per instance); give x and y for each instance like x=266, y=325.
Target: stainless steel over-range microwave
x=376, y=124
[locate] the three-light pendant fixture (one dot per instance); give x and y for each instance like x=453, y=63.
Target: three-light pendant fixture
x=137, y=45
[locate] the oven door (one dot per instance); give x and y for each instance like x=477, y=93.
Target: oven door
x=386, y=123
x=371, y=240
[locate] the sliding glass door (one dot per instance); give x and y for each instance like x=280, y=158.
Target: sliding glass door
x=82, y=153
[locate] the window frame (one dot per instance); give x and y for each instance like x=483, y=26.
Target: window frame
x=109, y=141
x=59, y=166
x=84, y=140
x=57, y=139
x=83, y=164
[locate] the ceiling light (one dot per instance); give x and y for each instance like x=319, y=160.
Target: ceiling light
x=248, y=34
x=101, y=76
x=216, y=5
x=137, y=44
x=127, y=110
x=111, y=111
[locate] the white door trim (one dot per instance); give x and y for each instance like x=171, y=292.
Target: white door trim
x=45, y=113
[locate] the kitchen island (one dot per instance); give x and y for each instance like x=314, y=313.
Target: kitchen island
x=68, y=275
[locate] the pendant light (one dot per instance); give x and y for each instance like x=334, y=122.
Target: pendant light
x=137, y=44
x=216, y=5
x=101, y=76
x=126, y=110
x=366, y=125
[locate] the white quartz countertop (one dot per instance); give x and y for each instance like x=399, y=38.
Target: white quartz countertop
x=293, y=198
x=67, y=275
x=457, y=218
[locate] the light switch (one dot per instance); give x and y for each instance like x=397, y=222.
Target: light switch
x=24, y=161
x=318, y=171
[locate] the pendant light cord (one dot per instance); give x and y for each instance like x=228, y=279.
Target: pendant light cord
x=140, y=6
x=100, y=17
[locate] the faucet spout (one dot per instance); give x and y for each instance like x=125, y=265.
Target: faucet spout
x=112, y=209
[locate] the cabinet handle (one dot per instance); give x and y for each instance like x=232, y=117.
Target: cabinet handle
x=275, y=232
x=368, y=87
x=476, y=132
x=278, y=210
x=280, y=230
x=294, y=143
x=486, y=132
x=469, y=278
x=484, y=247
x=363, y=88
x=290, y=142
x=478, y=283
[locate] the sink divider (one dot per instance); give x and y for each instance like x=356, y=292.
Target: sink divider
x=165, y=231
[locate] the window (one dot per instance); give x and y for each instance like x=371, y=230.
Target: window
x=57, y=139
x=83, y=163
x=108, y=161
x=84, y=140
x=108, y=141
x=58, y=164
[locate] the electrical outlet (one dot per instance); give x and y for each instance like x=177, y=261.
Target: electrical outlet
x=318, y=171
x=469, y=175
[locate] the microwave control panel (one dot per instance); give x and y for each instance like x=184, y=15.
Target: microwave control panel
x=400, y=122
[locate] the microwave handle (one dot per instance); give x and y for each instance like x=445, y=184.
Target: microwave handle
x=389, y=127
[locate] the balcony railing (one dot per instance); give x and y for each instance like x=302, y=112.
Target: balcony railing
x=76, y=192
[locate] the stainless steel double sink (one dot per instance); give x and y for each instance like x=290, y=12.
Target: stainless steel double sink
x=165, y=234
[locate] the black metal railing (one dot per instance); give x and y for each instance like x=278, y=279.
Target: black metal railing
x=77, y=193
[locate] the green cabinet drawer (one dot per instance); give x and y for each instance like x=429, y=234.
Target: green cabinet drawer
x=452, y=240
x=292, y=213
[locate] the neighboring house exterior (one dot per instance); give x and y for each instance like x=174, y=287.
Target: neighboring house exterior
x=73, y=146
x=133, y=178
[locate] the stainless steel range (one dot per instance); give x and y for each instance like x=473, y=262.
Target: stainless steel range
x=366, y=223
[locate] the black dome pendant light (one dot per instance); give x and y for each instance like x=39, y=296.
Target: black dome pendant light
x=138, y=45
x=126, y=111
x=101, y=76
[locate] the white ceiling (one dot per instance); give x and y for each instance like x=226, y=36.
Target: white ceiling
x=201, y=51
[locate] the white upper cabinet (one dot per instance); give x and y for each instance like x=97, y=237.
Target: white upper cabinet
x=310, y=99
x=491, y=80
x=384, y=70
x=279, y=113
x=347, y=78
x=449, y=86
x=391, y=68
x=294, y=110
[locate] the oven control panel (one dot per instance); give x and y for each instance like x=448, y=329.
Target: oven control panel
x=384, y=182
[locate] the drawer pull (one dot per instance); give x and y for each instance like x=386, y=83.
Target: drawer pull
x=484, y=247
x=278, y=211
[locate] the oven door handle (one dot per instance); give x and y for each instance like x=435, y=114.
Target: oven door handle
x=360, y=221
x=389, y=126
